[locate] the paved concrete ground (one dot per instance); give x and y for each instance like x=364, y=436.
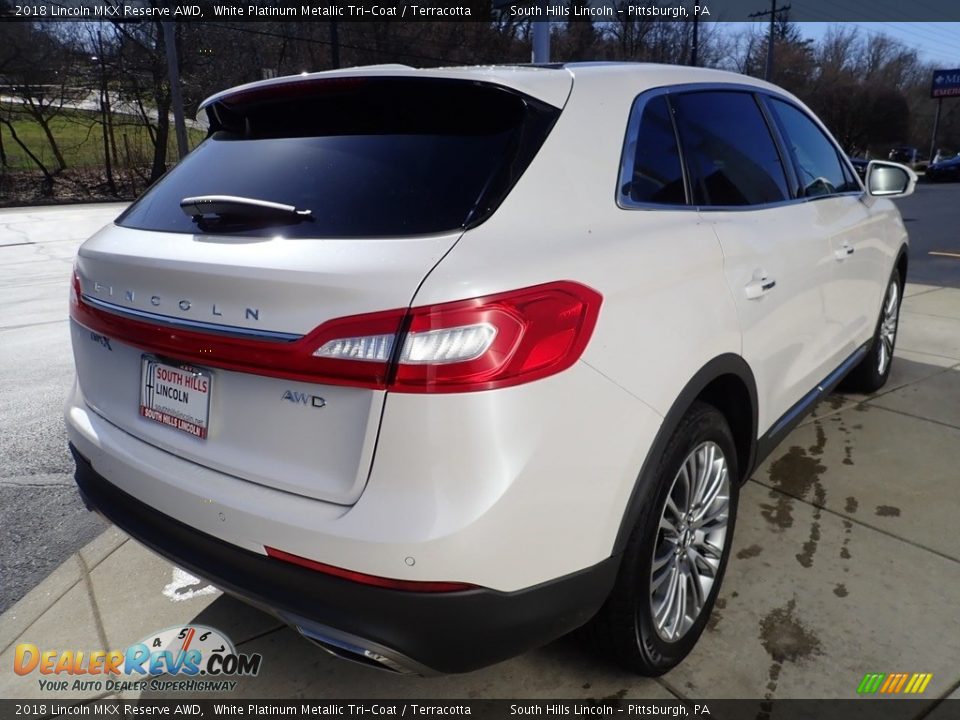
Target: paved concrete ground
x=846, y=561
x=41, y=518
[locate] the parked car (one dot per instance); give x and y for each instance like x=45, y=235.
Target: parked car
x=941, y=155
x=947, y=170
x=905, y=154
x=391, y=355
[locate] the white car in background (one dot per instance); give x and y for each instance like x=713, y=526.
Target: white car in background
x=439, y=365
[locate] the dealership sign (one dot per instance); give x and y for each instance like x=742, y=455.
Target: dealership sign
x=946, y=83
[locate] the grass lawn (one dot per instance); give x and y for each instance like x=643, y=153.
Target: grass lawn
x=80, y=138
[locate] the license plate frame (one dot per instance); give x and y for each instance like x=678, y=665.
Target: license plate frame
x=176, y=395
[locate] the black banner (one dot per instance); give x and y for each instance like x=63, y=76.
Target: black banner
x=478, y=10
x=862, y=709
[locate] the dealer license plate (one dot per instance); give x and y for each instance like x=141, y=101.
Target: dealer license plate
x=175, y=395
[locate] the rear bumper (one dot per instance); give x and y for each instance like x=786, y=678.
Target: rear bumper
x=418, y=632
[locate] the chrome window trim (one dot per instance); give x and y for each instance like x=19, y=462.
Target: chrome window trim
x=792, y=176
x=231, y=330
x=633, y=125
x=782, y=203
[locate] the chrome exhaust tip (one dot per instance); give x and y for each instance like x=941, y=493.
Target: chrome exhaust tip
x=355, y=654
x=357, y=650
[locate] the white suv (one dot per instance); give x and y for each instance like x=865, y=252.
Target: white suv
x=439, y=365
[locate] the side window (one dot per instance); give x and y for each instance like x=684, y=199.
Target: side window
x=816, y=159
x=730, y=153
x=651, y=170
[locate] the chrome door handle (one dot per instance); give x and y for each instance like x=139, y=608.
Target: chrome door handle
x=844, y=251
x=758, y=288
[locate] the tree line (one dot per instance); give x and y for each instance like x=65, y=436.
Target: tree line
x=110, y=79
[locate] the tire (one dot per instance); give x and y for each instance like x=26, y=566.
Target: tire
x=626, y=628
x=872, y=372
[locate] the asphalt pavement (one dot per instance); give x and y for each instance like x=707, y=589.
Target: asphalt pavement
x=932, y=217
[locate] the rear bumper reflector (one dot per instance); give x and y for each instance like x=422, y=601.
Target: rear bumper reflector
x=424, y=586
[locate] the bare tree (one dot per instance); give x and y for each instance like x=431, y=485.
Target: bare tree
x=630, y=32
x=41, y=72
x=141, y=55
x=741, y=51
x=102, y=51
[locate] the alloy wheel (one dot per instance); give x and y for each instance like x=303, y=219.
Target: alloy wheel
x=888, y=327
x=690, y=541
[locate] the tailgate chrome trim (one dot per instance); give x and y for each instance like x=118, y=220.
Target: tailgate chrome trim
x=231, y=330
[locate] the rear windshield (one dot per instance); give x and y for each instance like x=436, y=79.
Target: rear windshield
x=367, y=157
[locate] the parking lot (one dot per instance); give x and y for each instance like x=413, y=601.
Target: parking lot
x=846, y=559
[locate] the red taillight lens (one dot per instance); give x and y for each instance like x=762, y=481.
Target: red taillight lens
x=539, y=331
x=469, y=345
x=427, y=586
x=293, y=360
x=74, y=292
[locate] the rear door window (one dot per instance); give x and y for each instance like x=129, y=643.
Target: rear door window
x=372, y=157
x=730, y=153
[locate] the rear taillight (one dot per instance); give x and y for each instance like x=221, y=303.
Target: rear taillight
x=478, y=344
x=75, y=292
x=290, y=359
x=504, y=339
x=483, y=343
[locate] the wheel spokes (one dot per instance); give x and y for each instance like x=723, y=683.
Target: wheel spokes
x=710, y=554
x=699, y=594
x=662, y=615
x=712, y=490
x=888, y=327
x=675, y=610
x=891, y=304
x=715, y=516
x=704, y=460
x=690, y=541
x=667, y=573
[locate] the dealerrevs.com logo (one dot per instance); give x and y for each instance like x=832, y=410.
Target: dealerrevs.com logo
x=191, y=658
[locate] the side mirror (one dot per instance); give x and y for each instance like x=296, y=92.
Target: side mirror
x=888, y=179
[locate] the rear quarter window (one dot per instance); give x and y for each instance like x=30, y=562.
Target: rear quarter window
x=651, y=172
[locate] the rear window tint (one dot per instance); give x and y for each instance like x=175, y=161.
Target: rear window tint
x=374, y=158
x=730, y=153
x=815, y=157
x=652, y=171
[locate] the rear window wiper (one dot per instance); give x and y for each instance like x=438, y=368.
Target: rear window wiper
x=231, y=209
